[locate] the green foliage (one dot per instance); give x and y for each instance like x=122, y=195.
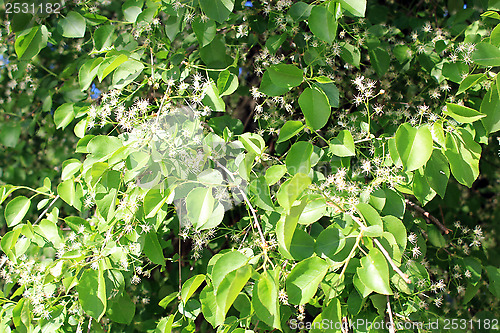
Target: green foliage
x=248, y=166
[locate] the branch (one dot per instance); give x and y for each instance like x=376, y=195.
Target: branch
x=428, y=216
x=247, y=201
x=46, y=210
x=380, y=246
x=393, y=265
x=392, y=328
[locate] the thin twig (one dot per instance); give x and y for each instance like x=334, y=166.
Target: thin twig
x=379, y=245
x=90, y=324
x=46, y=210
x=392, y=327
x=393, y=265
x=180, y=264
x=247, y=201
x=428, y=216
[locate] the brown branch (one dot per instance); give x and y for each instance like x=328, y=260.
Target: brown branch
x=428, y=216
x=392, y=328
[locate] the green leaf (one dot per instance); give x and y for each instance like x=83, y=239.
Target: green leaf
x=155, y=199
x=285, y=229
x=323, y=24
x=274, y=174
x=50, y=231
x=87, y=72
x=265, y=300
x=190, y=286
x=421, y=189
x=227, y=83
x=261, y=194
x=6, y=190
x=374, y=272
x=73, y=25
x=126, y=73
x=291, y=189
x=9, y=241
x=315, y=107
x=380, y=60
x=330, y=241
x=495, y=35
x=403, y=53
x=165, y=324
x=289, y=130
x=16, y=209
x=300, y=11
x=273, y=43
x=152, y=248
x=64, y=115
x=462, y=114
x=474, y=266
x=268, y=88
x=369, y=214
x=104, y=38
x=463, y=153
x=397, y=229
x=454, y=71
x=302, y=245
x=225, y=264
x=80, y=128
x=217, y=10
x=413, y=145
x=331, y=91
x=205, y=31
x=212, y=98
x=121, y=309
x=437, y=172
x=486, y=54
x=355, y=7
x=302, y=282
x=200, y=204
x=313, y=211
x=9, y=134
x=343, y=144
x=286, y=76
x=109, y=65
x=174, y=24
x=208, y=304
x=470, y=81
x=132, y=9
x=92, y=292
x=67, y=192
x=298, y=158
x=165, y=301
x=229, y=289
x=388, y=202
x=350, y=54
x=490, y=106
x=30, y=42
x=435, y=237
x=494, y=278
x=103, y=147
x=253, y=142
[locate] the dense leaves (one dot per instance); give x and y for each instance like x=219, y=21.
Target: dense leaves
x=248, y=166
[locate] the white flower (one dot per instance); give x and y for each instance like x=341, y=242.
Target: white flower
x=416, y=252
x=438, y=301
x=412, y=237
x=283, y=297
x=135, y=279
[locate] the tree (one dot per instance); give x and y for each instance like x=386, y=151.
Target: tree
x=249, y=166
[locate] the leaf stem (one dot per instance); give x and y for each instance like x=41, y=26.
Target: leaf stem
x=46, y=210
x=252, y=210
